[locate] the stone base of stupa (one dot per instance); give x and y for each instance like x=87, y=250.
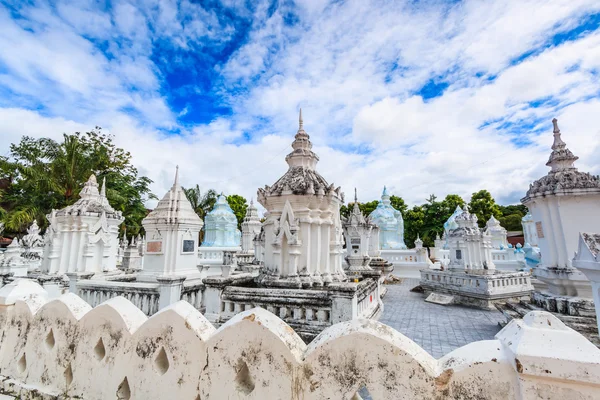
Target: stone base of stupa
x=300, y=281
x=478, y=288
x=308, y=311
x=565, y=282
x=382, y=265
x=563, y=290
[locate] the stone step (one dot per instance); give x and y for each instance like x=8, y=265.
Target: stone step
x=522, y=311
x=530, y=306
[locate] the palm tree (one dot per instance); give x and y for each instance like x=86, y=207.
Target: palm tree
x=201, y=203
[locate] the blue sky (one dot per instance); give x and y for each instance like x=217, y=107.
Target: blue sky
x=424, y=97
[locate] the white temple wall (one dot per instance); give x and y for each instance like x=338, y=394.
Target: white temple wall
x=64, y=347
x=562, y=218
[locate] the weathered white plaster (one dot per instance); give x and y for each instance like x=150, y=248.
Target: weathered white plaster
x=172, y=230
x=562, y=204
x=178, y=354
x=303, y=230
x=587, y=260
x=83, y=237
x=21, y=289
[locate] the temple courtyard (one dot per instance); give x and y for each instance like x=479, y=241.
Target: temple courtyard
x=436, y=328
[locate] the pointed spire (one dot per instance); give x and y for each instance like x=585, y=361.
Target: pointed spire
x=103, y=188
x=558, y=142
x=300, y=121
x=355, y=196
x=561, y=157
x=176, y=182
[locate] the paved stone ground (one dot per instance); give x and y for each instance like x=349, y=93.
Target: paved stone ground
x=436, y=328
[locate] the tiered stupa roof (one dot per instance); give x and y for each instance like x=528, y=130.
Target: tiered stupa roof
x=174, y=208
x=301, y=177
x=220, y=212
x=92, y=201
x=563, y=176
x=384, y=212
x=356, y=216
x=493, y=225
x=467, y=223
x=251, y=213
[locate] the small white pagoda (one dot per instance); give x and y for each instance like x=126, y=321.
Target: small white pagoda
x=358, y=233
x=11, y=261
x=172, y=230
x=562, y=204
x=497, y=232
x=469, y=246
x=83, y=237
x=363, y=256
x=250, y=228
x=303, y=230
x=33, y=247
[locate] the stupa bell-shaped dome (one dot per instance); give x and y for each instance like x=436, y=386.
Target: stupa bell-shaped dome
x=91, y=200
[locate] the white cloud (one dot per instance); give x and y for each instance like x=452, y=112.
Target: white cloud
x=353, y=67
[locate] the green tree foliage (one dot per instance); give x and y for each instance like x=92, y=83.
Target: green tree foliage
x=239, y=205
x=511, y=216
x=512, y=222
x=513, y=209
x=43, y=174
x=414, y=220
x=484, y=206
x=201, y=202
x=399, y=204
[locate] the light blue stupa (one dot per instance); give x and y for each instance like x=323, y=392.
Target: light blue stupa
x=220, y=226
x=390, y=223
x=451, y=224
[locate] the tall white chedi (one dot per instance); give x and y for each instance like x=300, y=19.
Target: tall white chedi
x=83, y=237
x=302, y=231
x=470, y=247
x=562, y=204
x=250, y=228
x=172, y=231
x=390, y=224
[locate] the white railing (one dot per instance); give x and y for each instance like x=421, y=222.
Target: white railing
x=65, y=348
x=144, y=296
x=368, y=300
x=306, y=310
x=192, y=293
